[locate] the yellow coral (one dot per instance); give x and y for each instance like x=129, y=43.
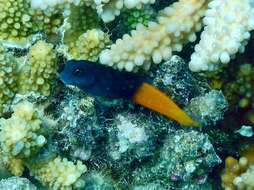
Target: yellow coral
x=90, y=44
x=20, y=135
x=41, y=69
x=15, y=20
x=239, y=174
x=81, y=19
x=16, y=166
x=59, y=174
x=8, y=78
x=18, y=20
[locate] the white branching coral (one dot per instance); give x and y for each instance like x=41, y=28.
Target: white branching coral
x=227, y=28
x=176, y=25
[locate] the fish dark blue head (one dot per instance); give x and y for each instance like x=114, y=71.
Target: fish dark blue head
x=78, y=73
x=100, y=80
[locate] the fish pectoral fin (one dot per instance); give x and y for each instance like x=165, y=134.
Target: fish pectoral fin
x=152, y=98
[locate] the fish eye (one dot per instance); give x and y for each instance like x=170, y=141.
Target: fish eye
x=77, y=72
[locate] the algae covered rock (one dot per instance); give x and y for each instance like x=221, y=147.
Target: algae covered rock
x=208, y=108
x=97, y=180
x=177, y=81
x=130, y=138
x=79, y=127
x=185, y=160
x=16, y=183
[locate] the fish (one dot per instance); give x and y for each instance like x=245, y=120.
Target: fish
x=100, y=80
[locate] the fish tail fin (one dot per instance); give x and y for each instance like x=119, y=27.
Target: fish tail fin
x=152, y=98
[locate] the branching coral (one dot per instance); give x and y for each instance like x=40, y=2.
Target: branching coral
x=15, y=20
x=8, y=77
x=237, y=84
x=59, y=174
x=90, y=44
x=128, y=147
x=40, y=70
x=21, y=135
x=81, y=19
x=227, y=27
x=238, y=174
x=20, y=75
x=19, y=21
x=176, y=25
x=132, y=17
x=108, y=9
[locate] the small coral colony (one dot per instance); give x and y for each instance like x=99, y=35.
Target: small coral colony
x=197, y=60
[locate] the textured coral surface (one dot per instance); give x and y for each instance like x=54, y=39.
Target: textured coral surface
x=57, y=136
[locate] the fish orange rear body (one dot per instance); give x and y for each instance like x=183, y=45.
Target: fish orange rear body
x=152, y=98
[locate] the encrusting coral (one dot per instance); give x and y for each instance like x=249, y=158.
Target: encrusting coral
x=176, y=25
x=130, y=138
x=79, y=126
x=99, y=181
x=208, y=108
x=177, y=81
